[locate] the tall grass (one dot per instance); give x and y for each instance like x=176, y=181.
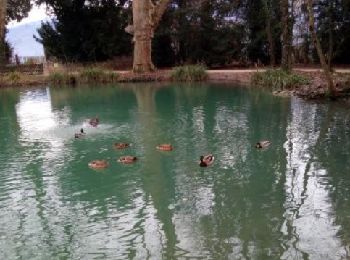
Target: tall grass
x=279, y=80
x=13, y=77
x=86, y=76
x=62, y=78
x=189, y=73
x=96, y=75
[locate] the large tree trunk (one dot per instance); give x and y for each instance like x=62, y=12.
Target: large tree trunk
x=3, y=8
x=143, y=33
x=285, y=60
x=317, y=44
x=146, y=17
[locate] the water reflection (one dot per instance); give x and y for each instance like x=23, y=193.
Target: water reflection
x=290, y=201
x=157, y=188
x=310, y=224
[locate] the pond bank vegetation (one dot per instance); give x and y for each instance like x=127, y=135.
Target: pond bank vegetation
x=308, y=84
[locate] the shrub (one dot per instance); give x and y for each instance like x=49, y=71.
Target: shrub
x=279, y=79
x=189, y=73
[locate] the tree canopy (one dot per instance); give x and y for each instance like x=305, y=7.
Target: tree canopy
x=86, y=31
x=212, y=32
x=18, y=9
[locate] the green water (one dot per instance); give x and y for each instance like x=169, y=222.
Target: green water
x=290, y=201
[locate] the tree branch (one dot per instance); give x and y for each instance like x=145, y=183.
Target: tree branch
x=158, y=11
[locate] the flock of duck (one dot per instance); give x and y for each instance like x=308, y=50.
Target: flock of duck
x=204, y=160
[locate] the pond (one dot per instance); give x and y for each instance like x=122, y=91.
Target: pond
x=289, y=201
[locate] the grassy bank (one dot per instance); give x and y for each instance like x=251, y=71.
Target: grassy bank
x=307, y=84
x=70, y=75
x=16, y=79
x=86, y=76
x=279, y=80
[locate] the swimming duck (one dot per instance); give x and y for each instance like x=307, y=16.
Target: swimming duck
x=94, y=121
x=81, y=134
x=127, y=159
x=165, y=147
x=262, y=144
x=206, y=160
x=98, y=164
x=121, y=146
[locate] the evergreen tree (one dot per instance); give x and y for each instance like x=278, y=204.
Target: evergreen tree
x=86, y=31
x=200, y=32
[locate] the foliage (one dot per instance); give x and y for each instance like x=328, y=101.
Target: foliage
x=18, y=9
x=84, y=32
x=333, y=19
x=279, y=79
x=211, y=32
x=189, y=73
x=195, y=31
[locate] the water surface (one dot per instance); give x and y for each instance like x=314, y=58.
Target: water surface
x=290, y=201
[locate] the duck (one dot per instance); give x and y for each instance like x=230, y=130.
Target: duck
x=165, y=147
x=262, y=144
x=98, y=164
x=127, y=159
x=80, y=134
x=206, y=160
x=94, y=121
x=121, y=145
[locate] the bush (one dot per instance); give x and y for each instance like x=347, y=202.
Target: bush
x=189, y=73
x=279, y=79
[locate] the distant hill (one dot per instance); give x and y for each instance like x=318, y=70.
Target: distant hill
x=22, y=41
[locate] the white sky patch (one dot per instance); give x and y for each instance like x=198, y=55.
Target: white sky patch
x=38, y=13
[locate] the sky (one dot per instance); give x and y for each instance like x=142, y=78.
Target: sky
x=20, y=34
x=36, y=14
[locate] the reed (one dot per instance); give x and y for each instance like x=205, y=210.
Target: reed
x=189, y=73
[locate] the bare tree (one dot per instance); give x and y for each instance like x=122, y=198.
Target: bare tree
x=317, y=44
x=285, y=59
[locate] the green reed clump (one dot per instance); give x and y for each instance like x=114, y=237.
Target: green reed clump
x=189, y=73
x=62, y=78
x=96, y=75
x=279, y=79
x=13, y=78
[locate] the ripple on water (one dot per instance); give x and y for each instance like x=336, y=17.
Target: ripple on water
x=289, y=200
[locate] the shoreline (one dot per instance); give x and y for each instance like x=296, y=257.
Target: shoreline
x=317, y=89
